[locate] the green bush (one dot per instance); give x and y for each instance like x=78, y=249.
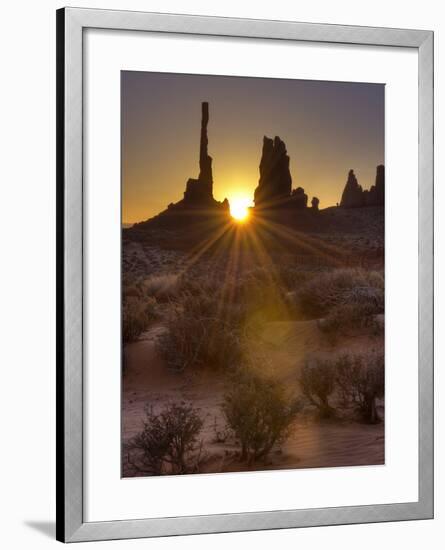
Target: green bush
x=168, y=442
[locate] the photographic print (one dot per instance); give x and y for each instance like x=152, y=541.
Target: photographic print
x=253, y=293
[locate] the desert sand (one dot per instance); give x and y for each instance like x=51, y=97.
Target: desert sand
x=313, y=443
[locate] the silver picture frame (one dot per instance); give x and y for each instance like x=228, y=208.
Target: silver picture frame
x=71, y=24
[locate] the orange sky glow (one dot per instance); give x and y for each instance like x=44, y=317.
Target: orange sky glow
x=328, y=128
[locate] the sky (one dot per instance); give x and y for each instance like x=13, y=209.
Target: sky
x=328, y=128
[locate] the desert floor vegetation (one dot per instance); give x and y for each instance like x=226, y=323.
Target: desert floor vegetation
x=252, y=364
x=344, y=382
x=168, y=442
x=259, y=412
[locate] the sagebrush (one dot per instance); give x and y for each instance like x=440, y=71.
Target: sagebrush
x=168, y=443
x=202, y=332
x=361, y=379
x=163, y=287
x=350, y=319
x=259, y=412
x=338, y=287
x=318, y=379
x=137, y=313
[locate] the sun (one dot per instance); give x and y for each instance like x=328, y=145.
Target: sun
x=239, y=208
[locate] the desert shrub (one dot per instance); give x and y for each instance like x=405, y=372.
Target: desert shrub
x=258, y=412
x=149, y=306
x=293, y=277
x=201, y=335
x=191, y=284
x=162, y=287
x=221, y=434
x=338, y=287
x=317, y=382
x=131, y=291
x=346, y=317
x=168, y=443
x=136, y=316
x=246, y=294
x=361, y=379
x=259, y=291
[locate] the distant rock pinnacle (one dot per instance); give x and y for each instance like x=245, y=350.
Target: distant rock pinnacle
x=354, y=196
x=352, y=193
x=274, y=189
x=275, y=181
x=201, y=190
x=376, y=195
x=205, y=161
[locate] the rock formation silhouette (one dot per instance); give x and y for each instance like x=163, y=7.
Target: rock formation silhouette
x=198, y=204
x=273, y=197
x=275, y=183
x=201, y=190
x=376, y=194
x=354, y=196
x=298, y=198
x=274, y=190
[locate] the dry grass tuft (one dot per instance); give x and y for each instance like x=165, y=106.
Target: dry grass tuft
x=200, y=334
x=162, y=287
x=137, y=313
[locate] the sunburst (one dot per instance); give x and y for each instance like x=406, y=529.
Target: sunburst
x=239, y=208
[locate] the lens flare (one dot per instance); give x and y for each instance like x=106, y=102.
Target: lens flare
x=239, y=208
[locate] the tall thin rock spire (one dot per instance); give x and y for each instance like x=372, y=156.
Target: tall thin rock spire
x=205, y=161
x=201, y=190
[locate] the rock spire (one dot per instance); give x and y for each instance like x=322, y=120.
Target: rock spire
x=354, y=196
x=275, y=181
x=201, y=190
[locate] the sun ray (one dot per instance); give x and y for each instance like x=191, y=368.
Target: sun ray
x=204, y=246
x=239, y=208
x=309, y=244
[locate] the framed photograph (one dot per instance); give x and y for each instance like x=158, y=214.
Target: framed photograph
x=245, y=274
